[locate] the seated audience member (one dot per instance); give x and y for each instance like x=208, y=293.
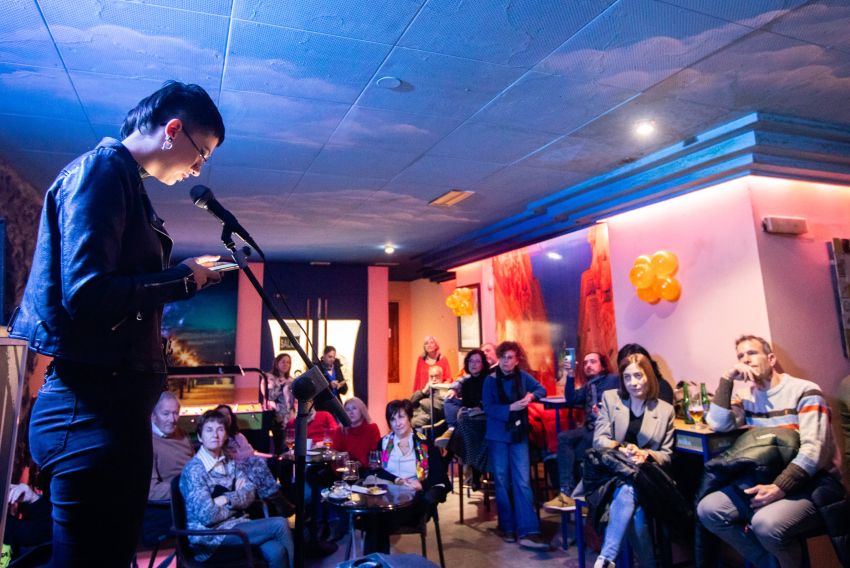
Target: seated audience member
x=172, y=450
x=361, y=437
x=762, y=522
x=429, y=358
x=280, y=397
x=665, y=391
x=319, y=424
x=254, y=464
x=634, y=421
x=596, y=372
x=490, y=354
x=28, y=521
x=406, y=461
x=421, y=399
x=332, y=369
x=506, y=396
x=217, y=493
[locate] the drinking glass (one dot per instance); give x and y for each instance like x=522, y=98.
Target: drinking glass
x=289, y=439
x=697, y=411
x=328, y=439
x=374, y=460
x=340, y=460
x=352, y=471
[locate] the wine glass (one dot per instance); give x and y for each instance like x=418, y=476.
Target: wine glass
x=352, y=472
x=697, y=411
x=289, y=439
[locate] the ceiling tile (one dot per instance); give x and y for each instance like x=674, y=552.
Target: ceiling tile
x=137, y=40
x=435, y=170
x=297, y=121
x=517, y=184
x=552, y=103
x=437, y=85
x=33, y=91
x=229, y=182
x=791, y=77
x=325, y=183
x=393, y=130
x=377, y=163
x=577, y=154
x=217, y=7
x=638, y=43
x=752, y=13
x=517, y=34
x=40, y=134
x=372, y=20
x=296, y=63
x=822, y=22
x=279, y=155
x=107, y=98
x=490, y=142
x=26, y=40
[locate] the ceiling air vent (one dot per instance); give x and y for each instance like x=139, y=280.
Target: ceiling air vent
x=451, y=198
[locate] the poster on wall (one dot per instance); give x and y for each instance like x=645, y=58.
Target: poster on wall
x=469, y=327
x=556, y=295
x=202, y=330
x=839, y=260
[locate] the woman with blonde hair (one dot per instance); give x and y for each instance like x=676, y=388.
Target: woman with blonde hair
x=359, y=438
x=431, y=356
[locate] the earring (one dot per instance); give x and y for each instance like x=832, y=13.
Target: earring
x=167, y=145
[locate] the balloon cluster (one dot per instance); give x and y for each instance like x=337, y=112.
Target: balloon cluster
x=460, y=302
x=652, y=276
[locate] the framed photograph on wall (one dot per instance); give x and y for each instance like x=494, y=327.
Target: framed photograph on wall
x=469, y=327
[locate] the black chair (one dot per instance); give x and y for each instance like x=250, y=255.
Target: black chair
x=185, y=556
x=422, y=529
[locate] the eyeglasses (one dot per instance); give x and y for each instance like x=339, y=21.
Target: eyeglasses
x=201, y=154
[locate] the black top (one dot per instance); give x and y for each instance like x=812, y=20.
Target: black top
x=470, y=391
x=634, y=427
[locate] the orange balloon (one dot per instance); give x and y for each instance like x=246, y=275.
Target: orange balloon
x=648, y=295
x=641, y=276
x=670, y=289
x=643, y=259
x=664, y=263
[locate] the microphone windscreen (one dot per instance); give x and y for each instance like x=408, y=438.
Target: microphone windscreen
x=200, y=194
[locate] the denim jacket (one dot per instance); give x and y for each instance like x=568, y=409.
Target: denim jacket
x=100, y=273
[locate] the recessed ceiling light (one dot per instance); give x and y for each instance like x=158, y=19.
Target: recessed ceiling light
x=644, y=127
x=389, y=82
x=451, y=198
x=389, y=249
x=554, y=255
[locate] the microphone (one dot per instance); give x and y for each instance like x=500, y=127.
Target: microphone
x=203, y=197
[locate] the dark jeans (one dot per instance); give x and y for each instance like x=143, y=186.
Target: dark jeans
x=572, y=444
x=90, y=434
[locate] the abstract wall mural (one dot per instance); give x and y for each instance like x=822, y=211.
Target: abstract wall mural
x=202, y=330
x=557, y=294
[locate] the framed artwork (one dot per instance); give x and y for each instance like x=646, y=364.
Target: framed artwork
x=469, y=327
x=839, y=258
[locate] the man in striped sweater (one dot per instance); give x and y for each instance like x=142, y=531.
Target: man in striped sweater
x=780, y=510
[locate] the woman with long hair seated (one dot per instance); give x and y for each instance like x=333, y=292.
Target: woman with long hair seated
x=359, y=438
x=217, y=493
x=634, y=421
x=406, y=461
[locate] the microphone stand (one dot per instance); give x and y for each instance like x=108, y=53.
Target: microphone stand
x=304, y=406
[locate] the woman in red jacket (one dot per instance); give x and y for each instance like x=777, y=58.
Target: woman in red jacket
x=359, y=438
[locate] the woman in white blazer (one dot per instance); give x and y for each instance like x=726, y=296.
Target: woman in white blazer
x=634, y=421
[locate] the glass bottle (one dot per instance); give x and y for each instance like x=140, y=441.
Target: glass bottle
x=703, y=397
x=686, y=403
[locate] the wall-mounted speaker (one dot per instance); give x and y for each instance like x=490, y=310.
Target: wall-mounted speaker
x=785, y=225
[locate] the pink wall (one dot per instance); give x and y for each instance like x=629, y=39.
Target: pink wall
x=803, y=316
x=400, y=293
x=712, y=233
x=378, y=342
x=249, y=329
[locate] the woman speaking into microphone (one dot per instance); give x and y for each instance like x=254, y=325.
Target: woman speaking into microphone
x=100, y=276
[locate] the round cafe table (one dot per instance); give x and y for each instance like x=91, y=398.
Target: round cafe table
x=397, y=497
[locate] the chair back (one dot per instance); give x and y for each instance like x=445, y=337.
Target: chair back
x=178, y=516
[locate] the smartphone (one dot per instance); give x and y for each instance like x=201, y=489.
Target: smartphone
x=570, y=355
x=224, y=267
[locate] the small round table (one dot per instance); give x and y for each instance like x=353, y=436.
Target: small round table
x=396, y=498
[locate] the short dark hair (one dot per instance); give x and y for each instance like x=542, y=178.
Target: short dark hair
x=603, y=361
x=642, y=361
x=232, y=424
x=633, y=348
x=210, y=416
x=485, y=370
x=765, y=346
x=394, y=406
x=506, y=346
x=328, y=349
x=190, y=103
